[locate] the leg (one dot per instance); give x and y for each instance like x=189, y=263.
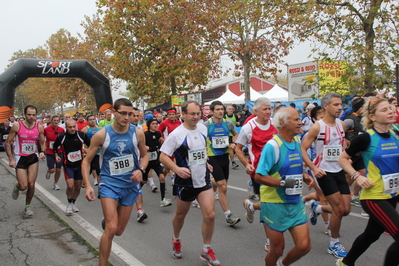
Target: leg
x=301, y=237
x=76, y=189
x=57, y=175
x=340, y=205
x=223, y=200
x=32, y=175
x=182, y=208
x=277, y=246
x=207, y=203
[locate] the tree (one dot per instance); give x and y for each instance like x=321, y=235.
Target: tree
x=365, y=33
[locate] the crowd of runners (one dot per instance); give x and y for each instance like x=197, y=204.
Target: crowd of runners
x=352, y=161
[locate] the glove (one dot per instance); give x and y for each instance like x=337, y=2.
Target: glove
x=289, y=183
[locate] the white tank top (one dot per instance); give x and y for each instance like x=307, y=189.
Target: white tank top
x=328, y=145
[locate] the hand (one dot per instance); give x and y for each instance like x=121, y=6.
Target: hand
x=57, y=159
x=210, y=167
x=183, y=172
x=318, y=172
x=233, y=146
x=12, y=163
x=42, y=156
x=308, y=181
x=364, y=182
x=137, y=176
x=90, y=195
x=289, y=183
x=249, y=169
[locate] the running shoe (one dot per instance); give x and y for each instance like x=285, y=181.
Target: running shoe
x=74, y=208
x=95, y=182
x=234, y=165
x=337, y=250
x=209, y=257
x=250, y=190
x=248, y=214
x=216, y=195
x=48, y=175
x=103, y=223
x=15, y=192
x=338, y=262
x=56, y=187
x=176, y=249
x=153, y=188
x=195, y=204
x=172, y=180
x=355, y=201
x=141, y=216
x=256, y=197
x=28, y=211
x=328, y=231
x=166, y=202
x=232, y=220
x=69, y=209
x=313, y=214
x=364, y=214
x=267, y=245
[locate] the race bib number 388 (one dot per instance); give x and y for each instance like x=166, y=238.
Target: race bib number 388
x=121, y=165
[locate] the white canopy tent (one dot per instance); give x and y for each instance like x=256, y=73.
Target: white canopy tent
x=227, y=97
x=254, y=95
x=277, y=94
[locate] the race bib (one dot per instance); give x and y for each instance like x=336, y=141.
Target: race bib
x=5, y=137
x=331, y=153
x=297, y=189
x=197, y=157
x=391, y=183
x=74, y=156
x=51, y=144
x=28, y=148
x=219, y=142
x=152, y=155
x=121, y=165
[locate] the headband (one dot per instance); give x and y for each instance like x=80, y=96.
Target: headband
x=171, y=111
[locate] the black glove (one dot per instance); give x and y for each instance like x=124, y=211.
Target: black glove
x=289, y=183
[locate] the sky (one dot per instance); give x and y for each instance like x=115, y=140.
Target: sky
x=27, y=24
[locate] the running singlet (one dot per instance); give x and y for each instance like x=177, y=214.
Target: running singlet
x=382, y=167
x=233, y=119
x=189, y=148
x=217, y=142
x=328, y=146
x=167, y=126
x=51, y=134
x=90, y=134
x=119, y=157
x=281, y=160
x=26, y=140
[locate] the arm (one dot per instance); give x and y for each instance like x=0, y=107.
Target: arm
x=95, y=144
x=42, y=142
x=180, y=171
x=137, y=175
x=10, y=138
x=312, y=135
x=56, y=144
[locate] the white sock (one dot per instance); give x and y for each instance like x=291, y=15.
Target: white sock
x=226, y=213
x=151, y=180
x=333, y=241
x=205, y=248
x=280, y=262
x=327, y=224
x=318, y=209
x=176, y=239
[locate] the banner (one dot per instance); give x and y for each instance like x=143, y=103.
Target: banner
x=302, y=81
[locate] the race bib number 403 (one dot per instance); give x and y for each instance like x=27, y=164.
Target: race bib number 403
x=197, y=156
x=121, y=165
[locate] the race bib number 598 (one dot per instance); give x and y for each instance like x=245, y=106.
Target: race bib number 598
x=197, y=156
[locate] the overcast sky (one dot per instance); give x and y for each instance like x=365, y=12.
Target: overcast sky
x=27, y=24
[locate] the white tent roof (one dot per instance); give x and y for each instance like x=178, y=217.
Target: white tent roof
x=277, y=94
x=227, y=97
x=254, y=95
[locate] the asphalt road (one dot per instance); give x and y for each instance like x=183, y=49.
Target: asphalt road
x=149, y=243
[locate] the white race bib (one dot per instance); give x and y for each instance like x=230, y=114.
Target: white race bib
x=74, y=156
x=297, y=189
x=219, y=142
x=5, y=137
x=197, y=156
x=28, y=148
x=391, y=183
x=51, y=144
x=331, y=153
x=152, y=155
x=121, y=165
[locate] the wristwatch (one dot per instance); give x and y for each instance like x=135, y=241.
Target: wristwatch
x=282, y=183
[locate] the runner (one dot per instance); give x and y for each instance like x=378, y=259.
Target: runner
x=81, y=122
x=26, y=134
x=72, y=142
x=379, y=148
x=280, y=171
x=328, y=134
x=188, y=144
x=90, y=130
x=108, y=119
x=121, y=146
x=153, y=142
x=4, y=131
x=51, y=133
x=234, y=119
x=219, y=147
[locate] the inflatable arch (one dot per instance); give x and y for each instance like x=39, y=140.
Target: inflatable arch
x=23, y=69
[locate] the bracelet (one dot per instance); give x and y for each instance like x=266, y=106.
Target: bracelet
x=142, y=171
x=355, y=175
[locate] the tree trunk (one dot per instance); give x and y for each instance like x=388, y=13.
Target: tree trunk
x=247, y=71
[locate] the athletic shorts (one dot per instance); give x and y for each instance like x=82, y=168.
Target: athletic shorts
x=358, y=163
x=189, y=194
x=73, y=173
x=124, y=196
x=334, y=182
x=25, y=161
x=156, y=166
x=95, y=164
x=220, y=164
x=50, y=159
x=283, y=216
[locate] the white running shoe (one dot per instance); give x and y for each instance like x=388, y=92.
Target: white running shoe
x=74, y=208
x=216, y=195
x=267, y=245
x=28, y=211
x=56, y=187
x=15, y=192
x=48, y=175
x=364, y=214
x=166, y=202
x=153, y=187
x=95, y=182
x=69, y=209
x=195, y=204
x=250, y=190
x=249, y=214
